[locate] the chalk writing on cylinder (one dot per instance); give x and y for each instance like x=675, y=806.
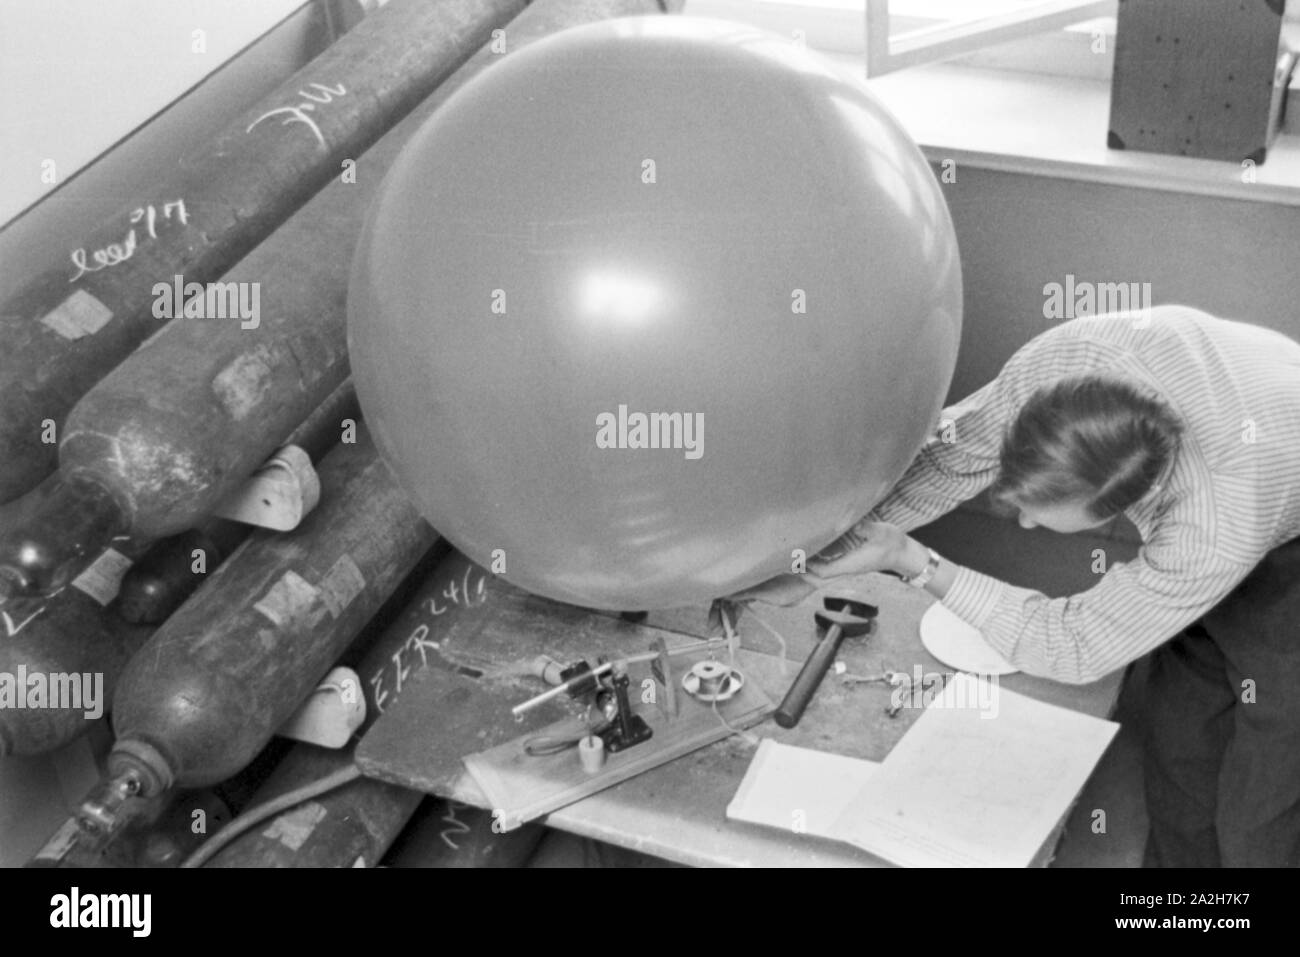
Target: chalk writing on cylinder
x=115, y=253
x=457, y=827
x=298, y=113
x=459, y=596
x=16, y=622
x=387, y=681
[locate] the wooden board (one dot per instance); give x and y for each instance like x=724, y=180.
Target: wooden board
x=520, y=787
x=677, y=811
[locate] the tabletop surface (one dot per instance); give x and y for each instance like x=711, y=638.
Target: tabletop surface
x=677, y=810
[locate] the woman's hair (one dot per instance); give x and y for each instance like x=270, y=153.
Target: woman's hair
x=1089, y=439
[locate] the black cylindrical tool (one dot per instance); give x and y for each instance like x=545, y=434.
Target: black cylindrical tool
x=842, y=618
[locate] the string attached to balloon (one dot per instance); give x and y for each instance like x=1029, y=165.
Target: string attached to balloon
x=711, y=681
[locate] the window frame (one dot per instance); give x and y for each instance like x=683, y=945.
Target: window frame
x=886, y=53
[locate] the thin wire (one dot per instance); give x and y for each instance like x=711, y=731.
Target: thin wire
x=751, y=738
x=732, y=641
x=780, y=639
x=544, y=745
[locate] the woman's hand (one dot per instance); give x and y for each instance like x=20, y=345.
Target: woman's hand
x=867, y=547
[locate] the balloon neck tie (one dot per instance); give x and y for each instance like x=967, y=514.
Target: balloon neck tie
x=715, y=686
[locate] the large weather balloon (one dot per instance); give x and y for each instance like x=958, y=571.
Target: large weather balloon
x=651, y=303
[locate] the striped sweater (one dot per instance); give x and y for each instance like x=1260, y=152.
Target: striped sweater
x=1231, y=495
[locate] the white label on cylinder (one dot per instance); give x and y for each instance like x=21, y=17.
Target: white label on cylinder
x=103, y=579
x=288, y=598
x=243, y=383
x=294, y=827
x=342, y=583
x=81, y=314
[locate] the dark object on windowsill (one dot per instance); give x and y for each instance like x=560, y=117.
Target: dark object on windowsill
x=1204, y=79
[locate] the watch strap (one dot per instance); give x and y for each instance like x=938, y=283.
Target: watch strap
x=923, y=577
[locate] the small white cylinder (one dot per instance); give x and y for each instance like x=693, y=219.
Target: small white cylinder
x=591, y=751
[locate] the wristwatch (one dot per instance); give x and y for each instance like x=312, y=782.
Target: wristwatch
x=922, y=578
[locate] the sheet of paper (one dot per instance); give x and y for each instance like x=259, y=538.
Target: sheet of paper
x=797, y=789
x=981, y=780
x=960, y=646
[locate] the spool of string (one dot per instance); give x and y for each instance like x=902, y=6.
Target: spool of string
x=714, y=678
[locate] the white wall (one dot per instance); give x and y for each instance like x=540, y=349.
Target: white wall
x=78, y=75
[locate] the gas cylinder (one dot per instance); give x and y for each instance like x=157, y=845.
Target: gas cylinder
x=69, y=649
x=158, y=583
x=75, y=321
x=208, y=690
x=355, y=824
x=76, y=638
x=165, y=436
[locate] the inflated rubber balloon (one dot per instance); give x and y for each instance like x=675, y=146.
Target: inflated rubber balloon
x=648, y=305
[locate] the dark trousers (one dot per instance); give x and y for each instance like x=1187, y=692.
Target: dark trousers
x=1222, y=730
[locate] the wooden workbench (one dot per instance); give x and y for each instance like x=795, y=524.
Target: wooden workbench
x=675, y=811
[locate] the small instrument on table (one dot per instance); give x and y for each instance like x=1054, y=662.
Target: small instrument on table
x=605, y=687
x=679, y=709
